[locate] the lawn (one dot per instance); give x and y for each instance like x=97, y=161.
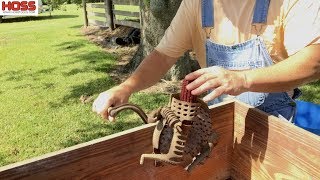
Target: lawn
x=45, y=66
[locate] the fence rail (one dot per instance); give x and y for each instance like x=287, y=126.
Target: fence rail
x=98, y=14
x=109, y=16
x=97, y=5
x=126, y=2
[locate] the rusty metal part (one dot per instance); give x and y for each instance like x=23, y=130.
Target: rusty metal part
x=115, y=110
x=185, y=111
x=169, y=145
x=195, y=135
x=183, y=134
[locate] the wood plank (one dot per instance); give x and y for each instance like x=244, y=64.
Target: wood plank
x=126, y=2
x=97, y=23
x=266, y=147
x=97, y=14
x=117, y=157
x=126, y=13
x=127, y=23
x=97, y=6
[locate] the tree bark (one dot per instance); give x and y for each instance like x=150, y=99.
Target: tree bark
x=156, y=16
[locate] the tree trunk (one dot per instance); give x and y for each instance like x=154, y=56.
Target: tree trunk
x=156, y=16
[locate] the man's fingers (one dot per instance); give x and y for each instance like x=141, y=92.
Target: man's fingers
x=106, y=108
x=199, y=81
x=105, y=115
x=208, y=85
x=110, y=118
x=195, y=74
x=214, y=94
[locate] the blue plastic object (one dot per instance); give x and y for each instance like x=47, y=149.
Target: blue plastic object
x=308, y=116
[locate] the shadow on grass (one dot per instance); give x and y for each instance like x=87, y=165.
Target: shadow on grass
x=90, y=88
x=95, y=61
x=19, y=75
x=310, y=92
x=36, y=18
x=91, y=61
x=45, y=71
x=93, y=131
x=76, y=27
x=72, y=45
x=14, y=75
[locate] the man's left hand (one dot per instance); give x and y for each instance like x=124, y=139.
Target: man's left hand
x=217, y=79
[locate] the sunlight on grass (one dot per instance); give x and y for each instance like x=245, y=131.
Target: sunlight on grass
x=45, y=66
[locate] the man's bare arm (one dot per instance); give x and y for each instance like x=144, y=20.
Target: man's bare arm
x=297, y=70
x=149, y=72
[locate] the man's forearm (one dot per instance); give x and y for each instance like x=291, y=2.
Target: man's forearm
x=149, y=72
x=298, y=69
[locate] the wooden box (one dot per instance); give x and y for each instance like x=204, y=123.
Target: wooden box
x=252, y=145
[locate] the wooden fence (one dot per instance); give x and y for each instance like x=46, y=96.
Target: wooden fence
x=108, y=15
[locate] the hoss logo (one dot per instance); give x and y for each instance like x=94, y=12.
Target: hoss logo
x=19, y=6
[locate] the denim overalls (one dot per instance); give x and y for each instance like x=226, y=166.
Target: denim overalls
x=248, y=55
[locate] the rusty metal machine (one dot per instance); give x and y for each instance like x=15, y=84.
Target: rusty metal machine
x=183, y=134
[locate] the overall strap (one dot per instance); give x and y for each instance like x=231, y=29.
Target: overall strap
x=259, y=17
x=207, y=13
x=261, y=12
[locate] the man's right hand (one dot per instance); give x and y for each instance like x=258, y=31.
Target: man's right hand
x=110, y=98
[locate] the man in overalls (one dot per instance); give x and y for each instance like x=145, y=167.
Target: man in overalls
x=257, y=51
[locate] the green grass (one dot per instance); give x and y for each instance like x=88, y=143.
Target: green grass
x=311, y=92
x=45, y=66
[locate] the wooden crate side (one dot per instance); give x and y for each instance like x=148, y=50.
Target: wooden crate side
x=266, y=147
x=84, y=160
x=217, y=167
x=117, y=157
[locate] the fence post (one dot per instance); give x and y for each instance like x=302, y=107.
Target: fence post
x=109, y=13
x=84, y=4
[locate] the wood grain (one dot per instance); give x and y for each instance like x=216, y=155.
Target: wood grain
x=98, y=14
x=97, y=23
x=127, y=23
x=127, y=13
x=117, y=157
x=126, y=2
x=266, y=147
x=97, y=6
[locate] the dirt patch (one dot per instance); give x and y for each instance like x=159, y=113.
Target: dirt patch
x=105, y=38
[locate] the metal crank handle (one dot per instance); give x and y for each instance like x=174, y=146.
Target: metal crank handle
x=115, y=110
